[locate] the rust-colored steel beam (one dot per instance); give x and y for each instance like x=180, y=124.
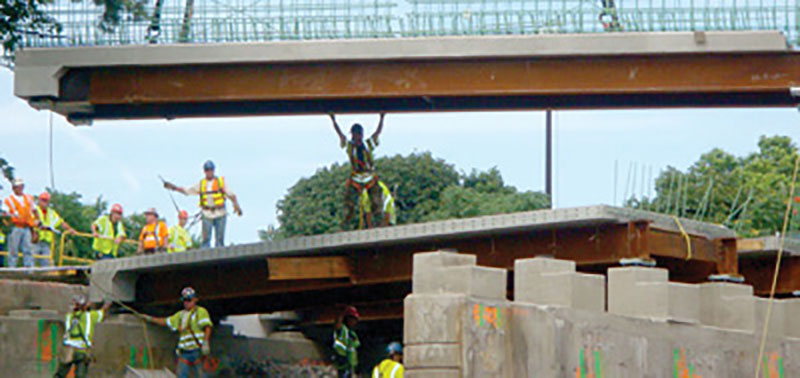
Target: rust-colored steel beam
x=376, y=278
x=623, y=81
x=759, y=270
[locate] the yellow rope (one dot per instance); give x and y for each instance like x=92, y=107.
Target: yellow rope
x=777, y=269
x=685, y=237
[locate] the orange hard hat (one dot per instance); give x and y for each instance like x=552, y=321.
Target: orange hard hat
x=183, y=214
x=117, y=208
x=44, y=196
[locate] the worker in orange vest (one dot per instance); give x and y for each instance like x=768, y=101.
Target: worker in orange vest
x=23, y=220
x=213, y=191
x=153, y=237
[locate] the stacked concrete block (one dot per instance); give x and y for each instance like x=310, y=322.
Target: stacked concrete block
x=455, y=320
x=647, y=293
x=777, y=321
x=727, y=305
x=791, y=309
x=547, y=281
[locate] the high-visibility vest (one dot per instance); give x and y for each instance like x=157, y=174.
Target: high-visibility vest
x=2, y=237
x=190, y=326
x=361, y=155
x=107, y=229
x=79, y=328
x=345, y=343
x=49, y=220
x=179, y=239
x=21, y=210
x=214, y=197
x=154, y=235
x=388, y=368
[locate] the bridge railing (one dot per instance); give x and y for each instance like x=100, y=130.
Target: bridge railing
x=214, y=21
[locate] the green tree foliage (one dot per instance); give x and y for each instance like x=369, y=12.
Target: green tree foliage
x=745, y=193
x=425, y=189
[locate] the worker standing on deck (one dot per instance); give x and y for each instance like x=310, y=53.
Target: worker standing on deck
x=153, y=238
x=49, y=222
x=212, y=191
x=194, y=326
x=392, y=366
x=179, y=239
x=346, y=343
x=362, y=175
x=108, y=232
x=20, y=209
x=79, y=327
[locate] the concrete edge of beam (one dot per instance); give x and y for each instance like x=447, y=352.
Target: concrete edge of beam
x=768, y=245
x=39, y=69
x=495, y=224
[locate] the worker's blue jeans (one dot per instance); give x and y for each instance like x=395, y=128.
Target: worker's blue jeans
x=188, y=362
x=218, y=226
x=20, y=241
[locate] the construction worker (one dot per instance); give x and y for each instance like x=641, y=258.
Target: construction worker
x=179, y=239
x=108, y=232
x=193, y=325
x=49, y=222
x=79, y=327
x=153, y=238
x=345, y=343
x=362, y=174
x=20, y=209
x=392, y=366
x=213, y=191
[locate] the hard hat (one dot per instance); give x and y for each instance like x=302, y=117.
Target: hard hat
x=152, y=210
x=18, y=182
x=351, y=311
x=79, y=299
x=45, y=196
x=117, y=208
x=357, y=128
x=188, y=293
x=208, y=165
x=394, y=348
x=183, y=214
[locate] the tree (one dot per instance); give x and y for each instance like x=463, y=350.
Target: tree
x=425, y=189
x=745, y=193
x=28, y=17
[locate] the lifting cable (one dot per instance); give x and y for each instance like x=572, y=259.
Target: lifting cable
x=777, y=269
x=685, y=237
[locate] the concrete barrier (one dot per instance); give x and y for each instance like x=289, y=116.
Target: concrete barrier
x=547, y=281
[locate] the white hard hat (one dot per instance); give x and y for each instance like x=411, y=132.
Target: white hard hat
x=18, y=182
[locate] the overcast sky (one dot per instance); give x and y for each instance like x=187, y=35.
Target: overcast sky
x=261, y=157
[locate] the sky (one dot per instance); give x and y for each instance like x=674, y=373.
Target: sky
x=262, y=157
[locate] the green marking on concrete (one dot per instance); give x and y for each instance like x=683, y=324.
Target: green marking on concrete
x=145, y=358
x=598, y=366
x=676, y=356
x=53, y=347
x=780, y=367
x=691, y=371
x=582, y=363
x=132, y=357
x=39, y=346
x=765, y=365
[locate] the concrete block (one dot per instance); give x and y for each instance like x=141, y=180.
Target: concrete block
x=589, y=292
x=35, y=314
x=432, y=373
x=432, y=356
x=777, y=321
x=542, y=265
x=791, y=309
x=22, y=294
x=639, y=292
x=429, y=318
x=684, y=303
x=475, y=281
x=568, y=289
x=426, y=269
x=727, y=305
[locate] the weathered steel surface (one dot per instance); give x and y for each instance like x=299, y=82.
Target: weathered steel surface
x=757, y=259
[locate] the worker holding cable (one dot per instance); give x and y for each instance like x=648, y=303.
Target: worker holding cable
x=213, y=191
x=79, y=328
x=49, y=222
x=363, y=177
x=194, y=326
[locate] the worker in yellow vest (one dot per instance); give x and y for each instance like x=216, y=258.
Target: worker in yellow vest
x=194, y=326
x=49, y=222
x=392, y=366
x=179, y=239
x=153, y=238
x=20, y=209
x=389, y=209
x=213, y=192
x=108, y=232
x=79, y=329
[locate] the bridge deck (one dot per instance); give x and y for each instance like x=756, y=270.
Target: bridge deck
x=372, y=268
x=615, y=70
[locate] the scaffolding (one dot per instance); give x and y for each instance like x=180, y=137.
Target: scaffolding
x=216, y=21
